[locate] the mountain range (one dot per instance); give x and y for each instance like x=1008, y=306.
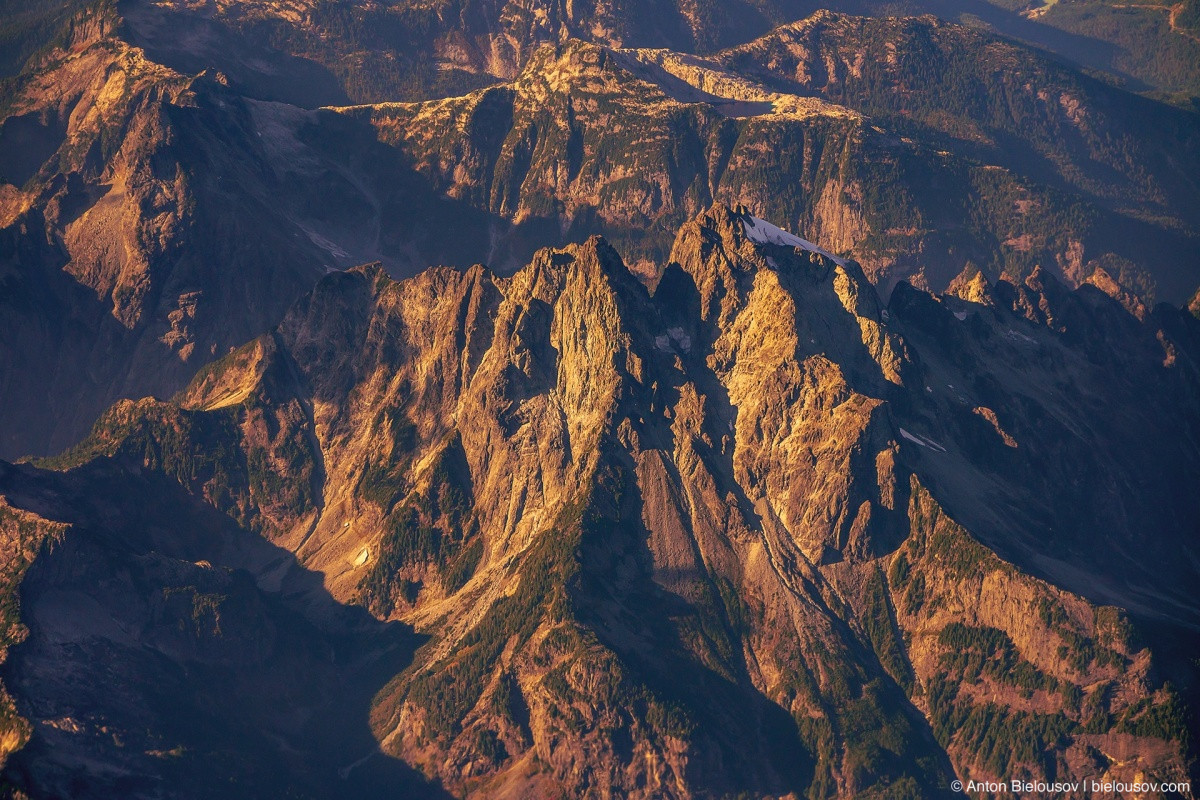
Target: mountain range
x=155, y=219
x=723, y=399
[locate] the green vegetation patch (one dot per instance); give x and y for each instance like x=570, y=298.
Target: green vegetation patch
x=1078, y=650
x=1166, y=720
x=450, y=688
x=883, y=632
x=436, y=528
x=975, y=652
x=998, y=739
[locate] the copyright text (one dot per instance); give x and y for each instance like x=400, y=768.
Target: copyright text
x=1095, y=787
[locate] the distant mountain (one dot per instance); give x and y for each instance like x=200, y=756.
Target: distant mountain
x=919, y=164
x=986, y=98
x=1151, y=47
x=329, y=52
x=409, y=50
x=749, y=533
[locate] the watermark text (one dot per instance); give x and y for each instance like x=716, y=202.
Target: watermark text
x=1092, y=786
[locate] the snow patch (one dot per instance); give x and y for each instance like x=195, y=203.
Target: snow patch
x=760, y=231
x=921, y=440
x=680, y=338
x=673, y=339
x=326, y=245
x=1014, y=335
x=344, y=772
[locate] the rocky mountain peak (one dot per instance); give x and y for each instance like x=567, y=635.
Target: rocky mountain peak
x=972, y=286
x=578, y=490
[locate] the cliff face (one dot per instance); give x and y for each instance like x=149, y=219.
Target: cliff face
x=749, y=532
